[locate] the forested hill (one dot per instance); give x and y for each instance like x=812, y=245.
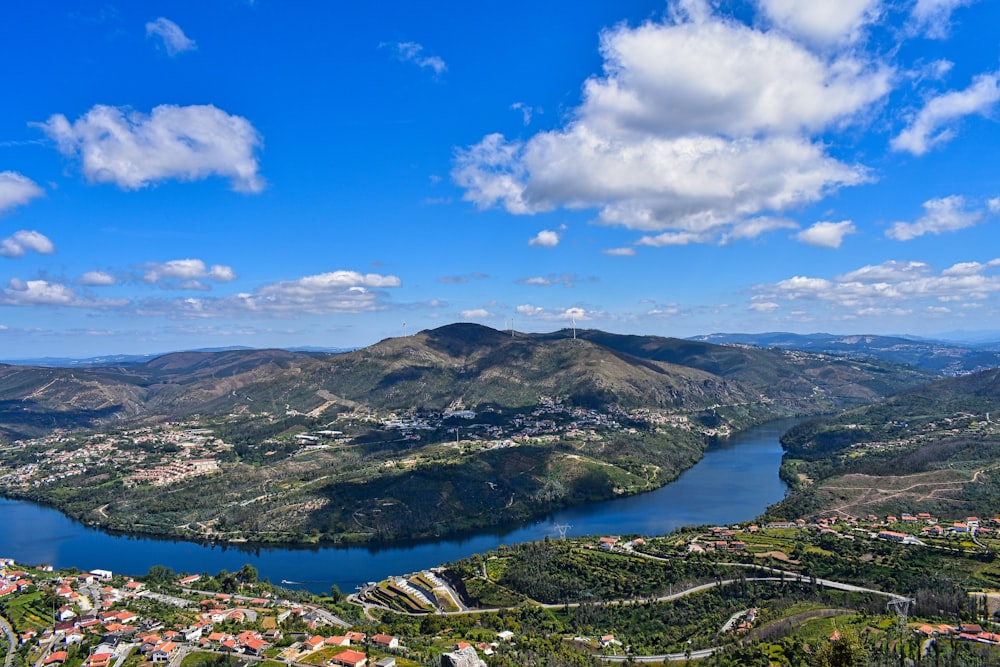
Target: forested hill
x=934, y=447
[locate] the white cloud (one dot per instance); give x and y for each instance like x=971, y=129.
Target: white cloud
x=526, y=111
x=414, y=53
x=674, y=238
x=930, y=126
x=696, y=127
x=753, y=227
x=620, y=252
x=764, y=306
x=933, y=17
x=947, y=214
x=16, y=190
x=96, y=279
x=823, y=23
x=173, y=38
x=133, y=150
x=827, y=234
x=565, y=279
x=890, y=271
x=557, y=314
x=186, y=273
x=325, y=293
x=536, y=280
x=476, y=314
x=45, y=293
x=545, y=239
x=890, y=289
x=993, y=205
x=963, y=269
x=23, y=241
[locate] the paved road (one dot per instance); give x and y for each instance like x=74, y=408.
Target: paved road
x=11, y=641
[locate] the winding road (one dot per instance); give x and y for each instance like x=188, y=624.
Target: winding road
x=11, y=641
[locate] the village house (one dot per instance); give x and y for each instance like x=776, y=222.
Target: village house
x=56, y=658
x=314, y=643
x=350, y=658
x=98, y=660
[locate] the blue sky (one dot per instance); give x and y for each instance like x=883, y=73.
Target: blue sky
x=177, y=175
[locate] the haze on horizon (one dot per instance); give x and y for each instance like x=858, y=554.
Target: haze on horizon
x=181, y=176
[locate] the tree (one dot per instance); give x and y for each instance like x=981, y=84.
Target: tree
x=160, y=574
x=844, y=650
x=247, y=574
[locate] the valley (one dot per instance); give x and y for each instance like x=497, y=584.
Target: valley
x=445, y=432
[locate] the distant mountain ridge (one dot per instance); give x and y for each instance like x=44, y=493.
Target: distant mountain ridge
x=458, y=364
x=129, y=359
x=945, y=357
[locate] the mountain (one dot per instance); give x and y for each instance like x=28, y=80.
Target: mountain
x=947, y=358
x=451, y=429
x=459, y=364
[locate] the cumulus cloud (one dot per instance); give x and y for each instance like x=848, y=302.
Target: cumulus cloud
x=476, y=314
x=933, y=124
x=827, y=234
x=321, y=294
x=96, y=279
x=698, y=124
x=947, y=214
x=545, y=239
x=413, y=52
x=186, y=273
x=933, y=17
x=557, y=314
x=824, y=23
x=170, y=35
x=764, y=306
x=186, y=143
x=890, y=288
x=16, y=190
x=24, y=241
x=45, y=293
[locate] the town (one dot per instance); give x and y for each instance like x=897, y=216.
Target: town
x=104, y=619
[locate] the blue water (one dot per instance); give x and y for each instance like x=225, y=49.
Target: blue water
x=734, y=481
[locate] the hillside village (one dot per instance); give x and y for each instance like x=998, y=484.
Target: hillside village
x=105, y=619
x=172, y=453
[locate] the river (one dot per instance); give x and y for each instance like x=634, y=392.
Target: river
x=734, y=481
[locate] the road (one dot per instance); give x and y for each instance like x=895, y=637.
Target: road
x=11, y=641
x=776, y=576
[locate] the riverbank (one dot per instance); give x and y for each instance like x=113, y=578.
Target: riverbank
x=735, y=480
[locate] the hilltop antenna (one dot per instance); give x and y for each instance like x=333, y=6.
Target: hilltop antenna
x=574, y=328
x=512, y=327
x=562, y=528
x=404, y=329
